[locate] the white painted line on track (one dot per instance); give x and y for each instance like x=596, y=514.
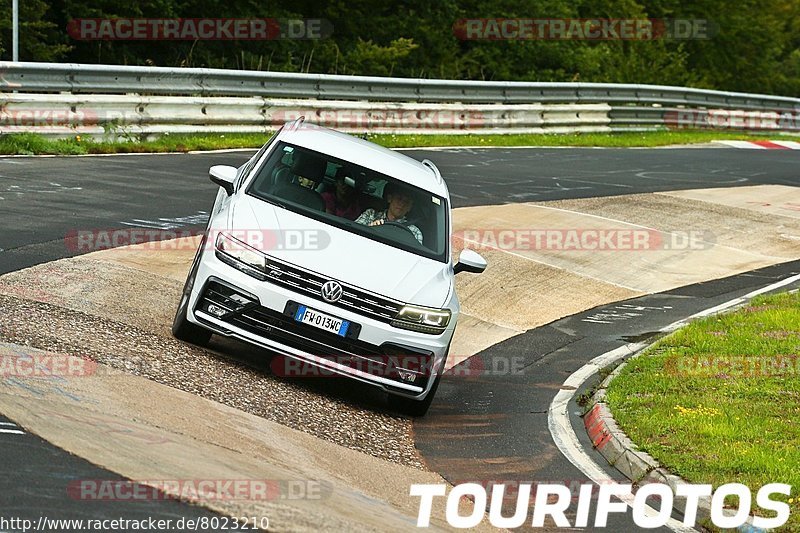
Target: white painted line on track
x=742, y=144
x=219, y=151
x=567, y=441
x=500, y=147
x=12, y=431
x=558, y=415
x=8, y=424
x=788, y=144
x=8, y=158
x=731, y=303
x=664, y=232
x=701, y=145
x=591, y=215
x=558, y=267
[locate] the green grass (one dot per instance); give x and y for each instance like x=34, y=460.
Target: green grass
x=31, y=143
x=622, y=140
x=719, y=400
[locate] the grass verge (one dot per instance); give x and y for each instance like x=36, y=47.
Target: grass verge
x=718, y=401
x=32, y=143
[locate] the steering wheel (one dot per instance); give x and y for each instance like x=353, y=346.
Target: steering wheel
x=399, y=225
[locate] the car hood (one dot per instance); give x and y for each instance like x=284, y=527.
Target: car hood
x=345, y=256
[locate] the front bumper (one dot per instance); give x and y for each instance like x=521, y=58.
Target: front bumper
x=234, y=304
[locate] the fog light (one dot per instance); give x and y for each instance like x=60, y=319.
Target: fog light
x=216, y=310
x=410, y=377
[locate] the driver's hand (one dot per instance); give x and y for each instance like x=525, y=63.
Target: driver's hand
x=376, y=222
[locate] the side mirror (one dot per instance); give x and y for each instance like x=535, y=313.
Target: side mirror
x=470, y=261
x=224, y=176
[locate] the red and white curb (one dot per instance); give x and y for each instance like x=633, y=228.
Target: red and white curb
x=610, y=441
x=762, y=145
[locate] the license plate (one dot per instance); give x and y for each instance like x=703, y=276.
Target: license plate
x=319, y=320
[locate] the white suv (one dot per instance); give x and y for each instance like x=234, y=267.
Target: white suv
x=334, y=253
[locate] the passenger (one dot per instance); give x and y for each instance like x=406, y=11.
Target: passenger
x=305, y=182
x=308, y=170
x=400, y=202
x=342, y=201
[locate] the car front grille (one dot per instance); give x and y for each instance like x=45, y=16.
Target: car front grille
x=394, y=362
x=353, y=299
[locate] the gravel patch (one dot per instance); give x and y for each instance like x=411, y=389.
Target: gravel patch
x=334, y=409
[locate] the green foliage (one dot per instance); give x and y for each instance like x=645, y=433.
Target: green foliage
x=756, y=47
x=39, y=39
x=32, y=143
x=378, y=60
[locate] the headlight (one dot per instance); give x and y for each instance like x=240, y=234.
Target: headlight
x=422, y=319
x=241, y=256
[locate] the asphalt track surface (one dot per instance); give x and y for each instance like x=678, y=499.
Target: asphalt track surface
x=43, y=199
x=41, y=481
x=488, y=423
x=485, y=426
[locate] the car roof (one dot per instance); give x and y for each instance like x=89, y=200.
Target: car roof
x=366, y=154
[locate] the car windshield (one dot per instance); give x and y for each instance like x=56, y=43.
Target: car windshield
x=354, y=198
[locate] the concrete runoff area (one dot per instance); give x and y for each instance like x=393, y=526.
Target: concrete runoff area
x=778, y=200
x=524, y=286
x=687, y=237
x=170, y=439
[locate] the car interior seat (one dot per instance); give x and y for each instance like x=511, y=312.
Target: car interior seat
x=282, y=173
x=422, y=217
x=288, y=187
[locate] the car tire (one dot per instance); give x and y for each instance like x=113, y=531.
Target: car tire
x=411, y=407
x=182, y=329
x=186, y=331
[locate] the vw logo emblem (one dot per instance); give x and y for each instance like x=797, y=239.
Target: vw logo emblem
x=331, y=291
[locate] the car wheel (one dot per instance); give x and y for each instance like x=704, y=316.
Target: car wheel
x=181, y=327
x=411, y=407
x=186, y=331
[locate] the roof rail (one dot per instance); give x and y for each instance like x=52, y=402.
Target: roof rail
x=296, y=123
x=428, y=163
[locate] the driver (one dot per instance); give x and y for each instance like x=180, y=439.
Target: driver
x=399, y=203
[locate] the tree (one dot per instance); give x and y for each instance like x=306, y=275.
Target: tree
x=39, y=39
x=756, y=47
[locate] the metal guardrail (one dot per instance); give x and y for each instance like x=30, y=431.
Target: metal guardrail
x=501, y=105
x=136, y=115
